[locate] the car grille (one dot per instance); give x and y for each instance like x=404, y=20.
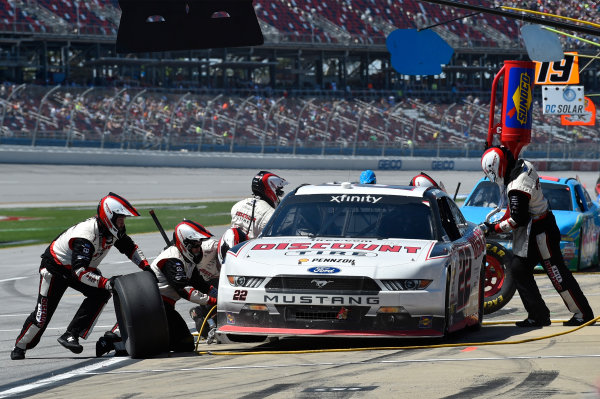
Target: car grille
x=322, y=284
x=316, y=315
x=337, y=314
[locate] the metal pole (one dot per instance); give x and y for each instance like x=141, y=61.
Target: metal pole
x=335, y=105
x=237, y=115
x=208, y=105
x=298, y=124
x=37, y=120
x=362, y=113
x=518, y=16
x=7, y=103
x=171, y=120
x=267, y=123
x=72, y=115
x=110, y=107
x=126, y=122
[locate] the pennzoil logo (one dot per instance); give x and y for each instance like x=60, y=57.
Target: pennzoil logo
x=522, y=99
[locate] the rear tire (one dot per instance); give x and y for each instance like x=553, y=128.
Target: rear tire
x=141, y=315
x=499, y=284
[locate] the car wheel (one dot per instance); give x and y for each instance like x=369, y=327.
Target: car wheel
x=141, y=315
x=481, y=300
x=499, y=285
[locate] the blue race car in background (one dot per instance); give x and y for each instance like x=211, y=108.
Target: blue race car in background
x=577, y=216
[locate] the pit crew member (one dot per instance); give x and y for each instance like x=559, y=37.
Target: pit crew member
x=536, y=239
x=72, y=260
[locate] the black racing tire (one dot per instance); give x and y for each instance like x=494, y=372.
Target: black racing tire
x=141, y=315
x=499, y=284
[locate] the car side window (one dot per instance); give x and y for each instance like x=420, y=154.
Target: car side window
x=448, y=219
x=588, y=199
x=581, y=207
x=558, y=196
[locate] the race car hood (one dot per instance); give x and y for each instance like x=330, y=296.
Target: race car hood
x=367, y=257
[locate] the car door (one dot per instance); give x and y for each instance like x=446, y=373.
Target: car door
x=589, y=228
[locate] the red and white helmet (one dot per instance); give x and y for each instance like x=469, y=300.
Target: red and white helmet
x=424, y=180
x=269, y=187
x=187, y=235
x=494, y=162
x=110, y=207
x=232, y=237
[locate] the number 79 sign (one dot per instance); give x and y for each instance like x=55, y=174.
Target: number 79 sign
x=563, y=72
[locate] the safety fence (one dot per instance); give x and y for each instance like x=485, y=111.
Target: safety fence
x=143, y=118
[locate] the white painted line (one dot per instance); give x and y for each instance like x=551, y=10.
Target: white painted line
x=54, y=328
x=329, y=364
x=61, y=377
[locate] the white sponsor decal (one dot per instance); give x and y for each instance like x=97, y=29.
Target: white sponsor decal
x=355, y=198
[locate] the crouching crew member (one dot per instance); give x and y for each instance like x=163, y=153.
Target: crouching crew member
x=72, y=260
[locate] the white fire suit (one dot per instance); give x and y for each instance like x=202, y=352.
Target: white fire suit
x=252, y=215
x=72, y=260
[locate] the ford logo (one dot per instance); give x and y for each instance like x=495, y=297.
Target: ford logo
x=324, y=270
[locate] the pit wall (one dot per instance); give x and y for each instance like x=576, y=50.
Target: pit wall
x=67, y=156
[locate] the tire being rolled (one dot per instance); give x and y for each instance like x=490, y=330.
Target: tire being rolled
x=499, y=284
x=141, y=315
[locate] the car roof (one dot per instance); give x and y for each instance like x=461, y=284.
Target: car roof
x=558, y=180
x=550, y=179
x=360, y=189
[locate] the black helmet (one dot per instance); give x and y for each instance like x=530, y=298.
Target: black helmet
x=268, y=186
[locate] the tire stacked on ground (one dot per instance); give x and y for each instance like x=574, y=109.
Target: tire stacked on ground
x=141, y=315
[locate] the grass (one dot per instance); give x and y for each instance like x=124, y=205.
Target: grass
x=26, y=226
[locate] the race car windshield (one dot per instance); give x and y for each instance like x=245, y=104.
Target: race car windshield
x=331, y=216
x=486, y=194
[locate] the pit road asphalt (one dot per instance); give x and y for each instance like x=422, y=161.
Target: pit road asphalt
x=565, y=366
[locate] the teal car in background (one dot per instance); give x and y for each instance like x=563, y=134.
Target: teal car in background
x=577, y=216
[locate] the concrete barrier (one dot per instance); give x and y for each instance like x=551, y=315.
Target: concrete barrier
x=117, y=157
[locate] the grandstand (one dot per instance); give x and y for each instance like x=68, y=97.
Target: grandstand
x=321, y=83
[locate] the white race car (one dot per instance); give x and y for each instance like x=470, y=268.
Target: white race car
x=356, y=260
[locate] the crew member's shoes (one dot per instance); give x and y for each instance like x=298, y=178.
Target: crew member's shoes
x=197, y=314
x=531, y=323
x=577, y=321
x=103, y=346
x=17, y=353
x=70, y=342
x=106, y=343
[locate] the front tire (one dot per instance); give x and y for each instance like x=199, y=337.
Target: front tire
x=499, y=284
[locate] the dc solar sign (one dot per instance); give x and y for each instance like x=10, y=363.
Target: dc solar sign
x=563, y=100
